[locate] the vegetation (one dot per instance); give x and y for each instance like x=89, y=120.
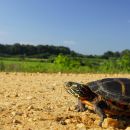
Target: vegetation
x=39, y=51
x=44, y=58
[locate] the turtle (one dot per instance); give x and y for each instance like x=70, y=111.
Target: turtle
x=106, y=97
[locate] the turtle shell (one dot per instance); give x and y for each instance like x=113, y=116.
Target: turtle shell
x=115, y=89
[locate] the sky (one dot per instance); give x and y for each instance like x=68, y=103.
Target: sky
x=85, y=26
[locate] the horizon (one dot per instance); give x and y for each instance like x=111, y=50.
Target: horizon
x=87, y=27
x=35, y=45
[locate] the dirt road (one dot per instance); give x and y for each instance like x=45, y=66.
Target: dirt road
x=36, y=101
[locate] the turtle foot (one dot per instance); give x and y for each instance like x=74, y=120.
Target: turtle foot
x=80, y=108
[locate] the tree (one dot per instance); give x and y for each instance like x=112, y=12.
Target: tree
x=108, y=54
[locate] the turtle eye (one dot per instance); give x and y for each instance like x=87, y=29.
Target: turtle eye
x=67, y=84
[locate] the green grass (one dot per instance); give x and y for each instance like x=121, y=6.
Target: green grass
x=34, y=65
x=42, y=65
x=25, y=66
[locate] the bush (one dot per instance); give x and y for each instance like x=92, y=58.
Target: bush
x=66, y=62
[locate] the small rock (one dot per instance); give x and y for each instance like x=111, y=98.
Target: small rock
x=59, y=73
x=109, y=122
x=7, y=95
x=29, y=98
x=71, y=108
x=30, y=120
x=30, y=107
x=16, y=121
x=18, y=105
x=81, y=126
x=54, y=85
x=25, y=115
x=13, y=113
x=35, y=119
x=16, y=95
x=1, y=109
x=67, y=121
x=128, y=128
x=96, y=129
x=63, y=122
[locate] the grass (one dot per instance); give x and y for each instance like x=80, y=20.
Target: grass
x=42, y=65
x=36, y=65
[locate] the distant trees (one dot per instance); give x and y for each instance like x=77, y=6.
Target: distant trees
x=47, y=51
x=39, y=51
x=110, y=54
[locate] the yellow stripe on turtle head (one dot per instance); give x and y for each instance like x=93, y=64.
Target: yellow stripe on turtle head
x=123, y=89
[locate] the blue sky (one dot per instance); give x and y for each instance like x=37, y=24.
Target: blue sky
x=86, y=26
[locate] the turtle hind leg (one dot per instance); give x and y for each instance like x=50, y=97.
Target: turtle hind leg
x=80, y=107
x=99, y=106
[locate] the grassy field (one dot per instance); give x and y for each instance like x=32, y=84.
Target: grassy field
x=35, y=65
x=61, y=64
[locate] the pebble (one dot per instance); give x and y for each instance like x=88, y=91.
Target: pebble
x=63, y=122
x=29, y=98
x=18, y=105
x=1, y=109
x=16, y=95
x=17, y=113
x=109, y=122
x=29, y=108
x=25, y=115
x=16, y=121
x=68, y=121
x=71, y=108
x=128, y=128
x=81, y=126
x=30, y=120
x=96, y=129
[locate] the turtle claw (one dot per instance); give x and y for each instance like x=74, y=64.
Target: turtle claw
x=100, y=124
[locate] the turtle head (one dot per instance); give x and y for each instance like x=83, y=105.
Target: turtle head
x=78, y=90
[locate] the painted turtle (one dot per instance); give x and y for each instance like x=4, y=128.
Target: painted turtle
x=109, y=96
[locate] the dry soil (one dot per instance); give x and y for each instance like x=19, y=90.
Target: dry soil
x=38, y=101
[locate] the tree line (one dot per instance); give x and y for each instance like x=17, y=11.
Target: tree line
x=39, y=51
x=46, y=51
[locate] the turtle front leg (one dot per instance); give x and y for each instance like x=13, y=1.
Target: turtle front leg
x=99, y=106
x=80, y=107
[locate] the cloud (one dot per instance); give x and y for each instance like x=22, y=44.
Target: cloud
x=69, y=42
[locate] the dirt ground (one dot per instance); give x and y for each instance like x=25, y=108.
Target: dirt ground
x=38, y=101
